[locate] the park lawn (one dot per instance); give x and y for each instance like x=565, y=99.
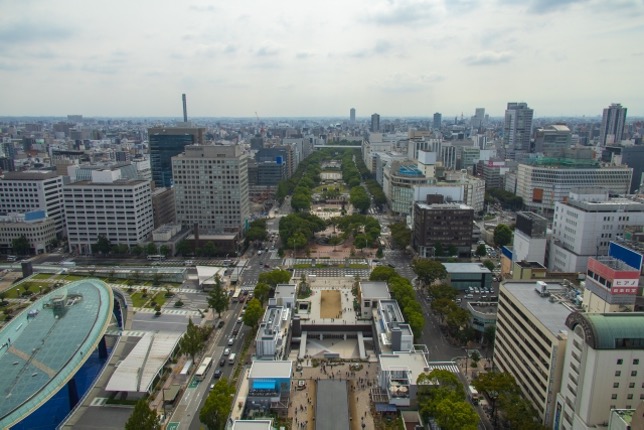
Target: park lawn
x=16, y=292
x=159, y=298
x=42, y=276
x=138, y=300
x=73, y=277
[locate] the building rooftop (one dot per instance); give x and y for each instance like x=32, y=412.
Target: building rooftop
x=271, y=369
x=115, y=183
x=46, y=344
x=466, y=268
x=412, y=361
x=616, y=330
x=284, y=291
x=530, y=265
x=552, y=314
x=252, y=425
x=30, y=175
x=444, y=206
x=611, y=205
x=374, y=290
x=139, y=369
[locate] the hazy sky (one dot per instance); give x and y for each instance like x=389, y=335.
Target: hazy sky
x=319, y=58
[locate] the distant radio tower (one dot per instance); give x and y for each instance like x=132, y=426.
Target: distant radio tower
x=185, y=109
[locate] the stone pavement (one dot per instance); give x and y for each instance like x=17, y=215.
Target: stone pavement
x=302, y=406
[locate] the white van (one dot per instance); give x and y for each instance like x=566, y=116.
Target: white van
x=231, y=358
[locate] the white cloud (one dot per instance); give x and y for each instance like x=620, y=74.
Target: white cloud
x=486, y=58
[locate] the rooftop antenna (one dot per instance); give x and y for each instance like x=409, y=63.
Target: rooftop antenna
x=185, y=109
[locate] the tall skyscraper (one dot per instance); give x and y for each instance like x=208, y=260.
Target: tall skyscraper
x=165, y=143
x=438, y=121
x=612, y=128
x=517, y=129
x=352, y=115
x=375, y=123
x=211, y=188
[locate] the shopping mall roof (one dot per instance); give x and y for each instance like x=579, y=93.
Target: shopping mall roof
x=43, y=347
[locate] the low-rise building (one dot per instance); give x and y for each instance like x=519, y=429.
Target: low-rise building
x=390, y=328
x=464, y=275
x=270, y=342
x=398, y=375
x=269, y=387
x=35, y=226
x=369, y=294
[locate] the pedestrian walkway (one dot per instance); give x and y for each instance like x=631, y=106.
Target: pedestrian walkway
x=450, y=366
x=170, y=311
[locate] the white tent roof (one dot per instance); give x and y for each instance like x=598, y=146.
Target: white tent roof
x=137, y=371
x=206, y=274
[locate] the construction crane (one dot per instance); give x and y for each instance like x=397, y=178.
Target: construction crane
x=261, y=129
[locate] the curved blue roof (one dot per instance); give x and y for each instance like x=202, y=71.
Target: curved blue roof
x=44, y=346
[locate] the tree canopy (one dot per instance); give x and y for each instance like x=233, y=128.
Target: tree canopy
x=217, y=298
x=428, y=270
x=382, y=273
x=193, y=341
x=143, y=418
x=400, y=235
x=21, y=245
x=502, y=235
x=441, y=396
x=254, y=313
x=218, y=405
x=274, y=277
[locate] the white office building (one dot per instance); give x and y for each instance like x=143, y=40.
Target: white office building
x=33, y=190
x=211, y=188
x=119, y=209
x=585, y=225
x=530, y=340
x=541, y=186
x=603, y=369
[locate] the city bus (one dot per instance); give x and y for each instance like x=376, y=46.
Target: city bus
x=474, y=395
x=203, y=368
x=236, y=295
x=156, y=257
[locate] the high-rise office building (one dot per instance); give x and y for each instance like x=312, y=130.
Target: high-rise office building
x=375, y=123
x=22, y=192
x=478, y=120
x=352, y=115
x=612, y=128
x=211, y=188
x=438, y=121
x=517, y=129
x=165, y=143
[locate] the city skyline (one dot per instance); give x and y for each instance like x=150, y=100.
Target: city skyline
x=396, y=58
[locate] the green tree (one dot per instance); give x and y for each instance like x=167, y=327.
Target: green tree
x=209, y=249
x=261, y=292
x=102, y=245
x=496, y=385
x=21, y=245
x=136, y=250
x=502, y=235
x=489, y=265
x=298, y=240
x=193, y=341
x=400, y=235
x=382, y=273
x=254, y=313
x=359, y=199
x=218, y=405
x=428, y=270
x=3, y=296
x=481, y=251
x=184, y=248
x=442, y=291
x=143, y=418
x=457, y=319
x=439, y=250
x=164, y=250
x=217, y=298
x=151, y=249
x=475, y=357
x=275, y=277
x=455, y=415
